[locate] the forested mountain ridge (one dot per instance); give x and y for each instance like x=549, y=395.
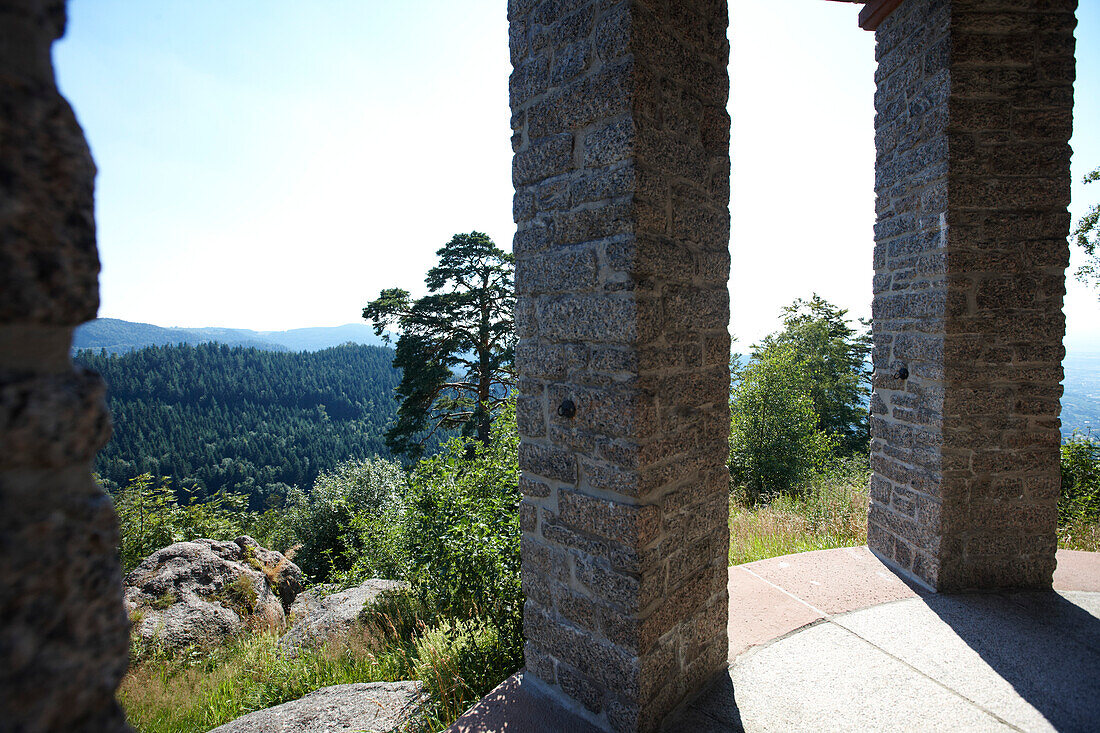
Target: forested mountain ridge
x=249, y=421
x=118, y=336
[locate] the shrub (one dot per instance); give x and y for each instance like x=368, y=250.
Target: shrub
x=775, y=442
x=150, y=517
x=350, y=520
x=1080, y=477
x=462, y=530
x=239, y=595
x=1079, y=503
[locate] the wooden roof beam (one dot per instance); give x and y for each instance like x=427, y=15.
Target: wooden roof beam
x=874, y=11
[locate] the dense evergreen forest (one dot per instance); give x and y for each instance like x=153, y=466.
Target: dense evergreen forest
x=253, y=422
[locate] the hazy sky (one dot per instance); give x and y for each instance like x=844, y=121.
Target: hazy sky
x=273, y=164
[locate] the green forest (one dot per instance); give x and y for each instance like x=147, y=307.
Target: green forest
x=217, y=418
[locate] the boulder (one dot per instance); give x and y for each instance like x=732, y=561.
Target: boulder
x=318, y=614
x=370, y=707
x=202, y=591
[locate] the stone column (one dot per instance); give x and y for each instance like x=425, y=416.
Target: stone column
x=621, y=172
x=973, y=119
x=63, y=629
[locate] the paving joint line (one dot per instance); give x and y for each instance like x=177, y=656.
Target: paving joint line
x=927, y=676
x=810, y=606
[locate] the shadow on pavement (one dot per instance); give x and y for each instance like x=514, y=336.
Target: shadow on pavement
x=1041, y=643
x=714, y=711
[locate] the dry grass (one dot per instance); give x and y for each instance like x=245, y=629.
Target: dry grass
x=828, y=512
x=274, y=574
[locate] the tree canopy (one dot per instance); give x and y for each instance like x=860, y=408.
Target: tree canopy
x=833, y=362
x=1087, y=235
x=801, y=399
x=456, y=345
x=775, y=441
x=251, y=422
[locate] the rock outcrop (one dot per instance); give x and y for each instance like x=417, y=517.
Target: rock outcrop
x=372, y=707
x=317, y=615
x=203, y=591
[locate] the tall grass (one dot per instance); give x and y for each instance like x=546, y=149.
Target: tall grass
x=829, y=510
x=1079, y=532
x=200, y=689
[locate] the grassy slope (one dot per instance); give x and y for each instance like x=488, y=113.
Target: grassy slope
x=830, y=512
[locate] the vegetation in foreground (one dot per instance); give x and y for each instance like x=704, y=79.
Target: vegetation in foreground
x=1079, y=504
x=449, y=526
x=829, y=509
x=799, y=438
x=200, y=689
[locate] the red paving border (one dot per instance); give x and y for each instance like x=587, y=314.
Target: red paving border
x=768, y=599
x=773, y=597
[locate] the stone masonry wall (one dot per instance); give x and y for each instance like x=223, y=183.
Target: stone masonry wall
x=621, y=170
x=973, y=118
x=63, y=630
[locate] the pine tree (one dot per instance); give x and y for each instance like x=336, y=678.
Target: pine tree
x=456, y=344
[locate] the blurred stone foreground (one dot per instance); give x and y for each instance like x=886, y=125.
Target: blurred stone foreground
x=64, y=634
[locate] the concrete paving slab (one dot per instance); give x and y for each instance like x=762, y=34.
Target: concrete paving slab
x=760, y=612
x=835, y=581
x=1077, y=570
x=1036, y=676
x=825, y=678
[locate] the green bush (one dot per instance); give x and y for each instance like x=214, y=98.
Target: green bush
x=460, y=661
x=349, y=524
x=462, y=530
x=775, y=441
x=150, y=517
x=1080, y=496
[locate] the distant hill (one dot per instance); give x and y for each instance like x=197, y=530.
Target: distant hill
x=324, y=337
x=1081, y=395
x=118, y=336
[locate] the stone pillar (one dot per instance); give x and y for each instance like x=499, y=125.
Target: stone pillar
x=621, y=172
x=973, y=119
x=63, y=628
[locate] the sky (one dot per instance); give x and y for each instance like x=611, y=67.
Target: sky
x=274, y=164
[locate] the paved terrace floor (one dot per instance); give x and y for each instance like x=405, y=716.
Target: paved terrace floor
x=834, y=641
